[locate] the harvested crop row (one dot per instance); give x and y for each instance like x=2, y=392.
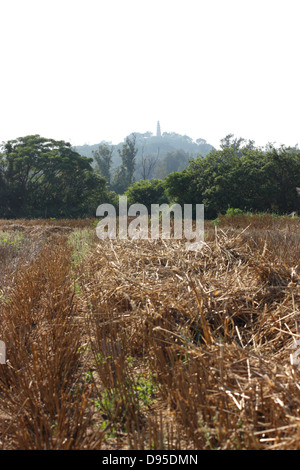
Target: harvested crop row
x=41, y=404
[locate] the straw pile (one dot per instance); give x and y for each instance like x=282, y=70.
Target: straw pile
x=216, y=327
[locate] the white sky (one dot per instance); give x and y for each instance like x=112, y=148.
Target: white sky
x=91, y=70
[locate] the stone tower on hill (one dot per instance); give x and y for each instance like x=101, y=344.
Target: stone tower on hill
x=158, y=131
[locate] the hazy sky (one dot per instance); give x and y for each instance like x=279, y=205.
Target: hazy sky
x=92, y=70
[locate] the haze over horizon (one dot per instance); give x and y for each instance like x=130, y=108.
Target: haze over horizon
x=90, y=71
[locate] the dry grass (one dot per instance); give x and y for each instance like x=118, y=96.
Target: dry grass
x=145, y=345
x=39, y=394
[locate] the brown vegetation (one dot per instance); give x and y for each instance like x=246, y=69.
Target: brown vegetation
x=129, y=344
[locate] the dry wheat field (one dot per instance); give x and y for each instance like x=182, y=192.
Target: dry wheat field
x=141, y=344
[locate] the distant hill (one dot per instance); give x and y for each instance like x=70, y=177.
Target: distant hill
x=158, y=147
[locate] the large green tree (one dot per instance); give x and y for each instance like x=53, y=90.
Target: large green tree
x=47, y=178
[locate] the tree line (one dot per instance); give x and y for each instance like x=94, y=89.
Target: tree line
x=238, y=175
x=42, y=177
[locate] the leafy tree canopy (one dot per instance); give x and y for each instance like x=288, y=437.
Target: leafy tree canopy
x=47, y=178
x=147, y=192
x=240, y=176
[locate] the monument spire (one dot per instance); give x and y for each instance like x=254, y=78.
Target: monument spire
x=158, y=131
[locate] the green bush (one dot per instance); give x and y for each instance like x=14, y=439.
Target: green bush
x=147, y=192
x=230, y=211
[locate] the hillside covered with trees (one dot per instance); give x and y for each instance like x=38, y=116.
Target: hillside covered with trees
x=156, y=156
